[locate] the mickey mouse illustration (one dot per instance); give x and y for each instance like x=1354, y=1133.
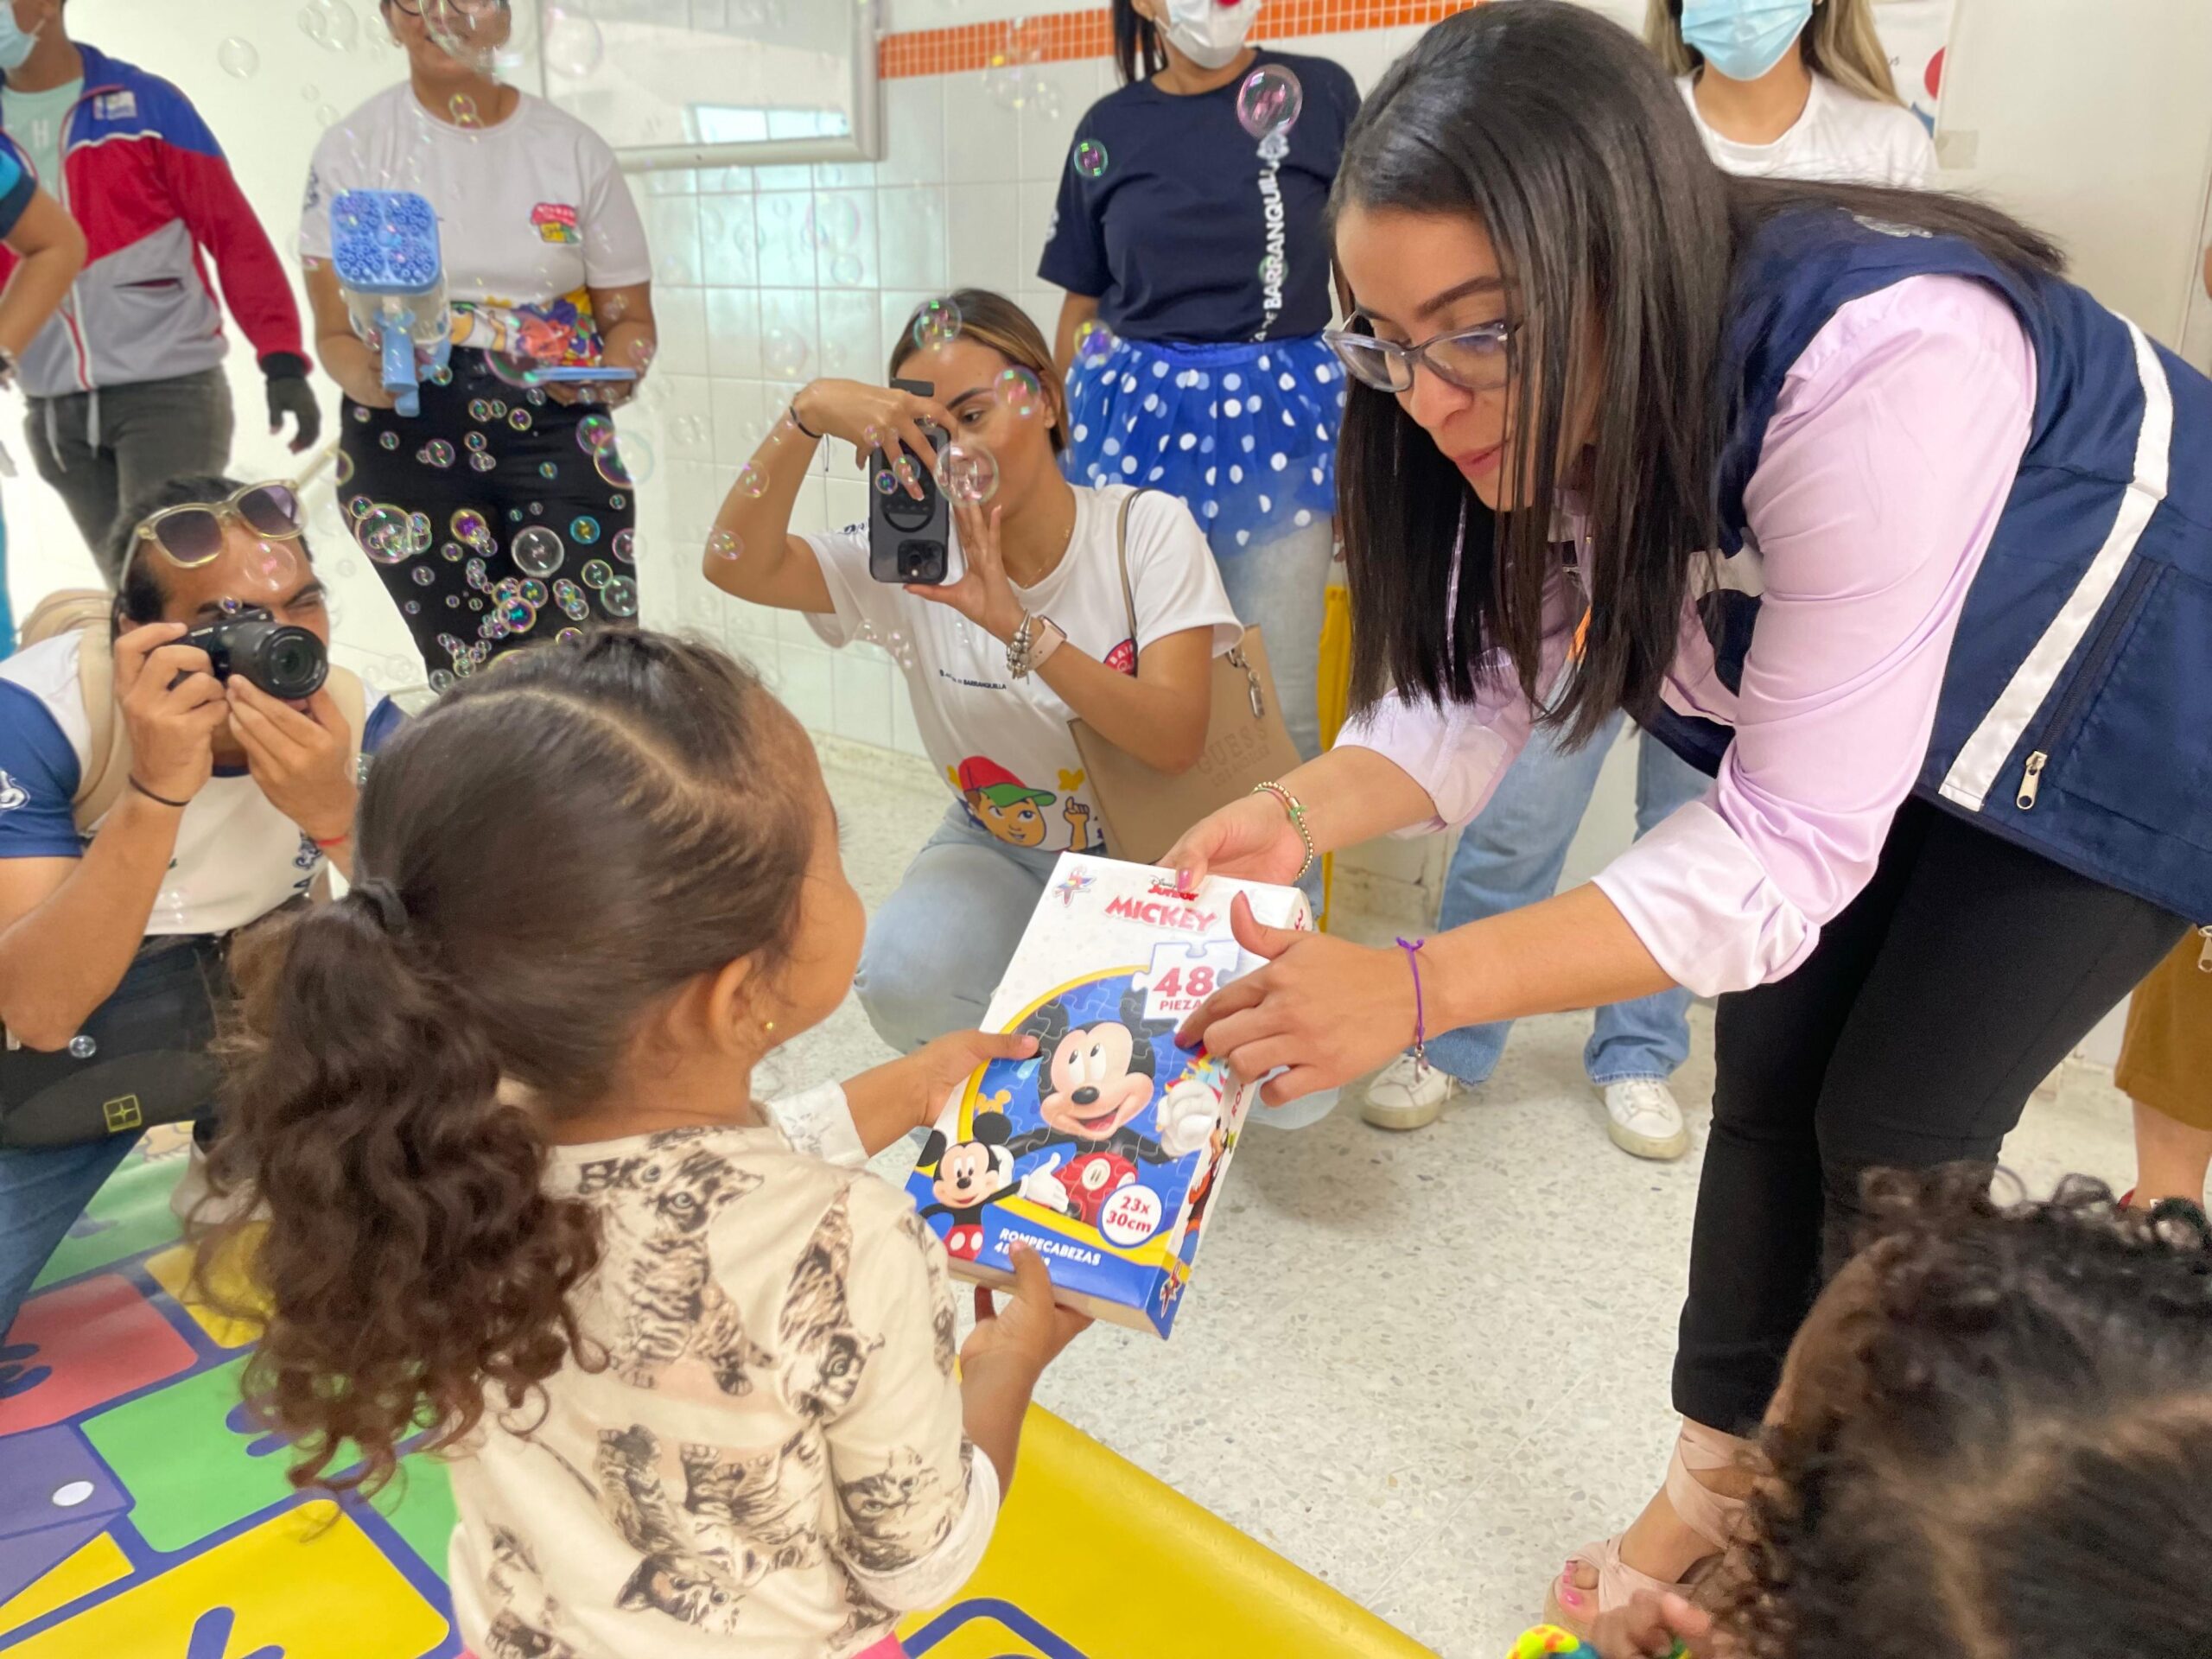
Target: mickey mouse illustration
x=971, y=1175
x=1097, y=1080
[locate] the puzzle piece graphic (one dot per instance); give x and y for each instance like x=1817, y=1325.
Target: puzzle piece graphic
x=988, y=1628
x=57, y=1498
x=306, y=1584
x=102, y=1339
x=95, y=1567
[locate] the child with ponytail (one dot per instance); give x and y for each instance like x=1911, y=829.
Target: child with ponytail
x=694, y=1367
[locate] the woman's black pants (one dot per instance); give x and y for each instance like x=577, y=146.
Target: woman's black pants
x=1911, y=1037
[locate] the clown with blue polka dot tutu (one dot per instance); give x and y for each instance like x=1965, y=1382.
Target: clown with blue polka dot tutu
x=1191, y=237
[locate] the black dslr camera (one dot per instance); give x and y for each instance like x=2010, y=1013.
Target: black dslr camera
x=285, y=661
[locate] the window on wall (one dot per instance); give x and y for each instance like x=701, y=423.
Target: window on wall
x=717, y=83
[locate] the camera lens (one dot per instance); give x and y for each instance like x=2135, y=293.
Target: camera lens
x=285, y=662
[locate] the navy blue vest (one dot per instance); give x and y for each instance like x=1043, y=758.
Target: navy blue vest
x=2076, y=716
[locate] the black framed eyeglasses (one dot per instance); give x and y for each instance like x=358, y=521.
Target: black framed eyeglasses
x=190, y=536
x=1473, y=359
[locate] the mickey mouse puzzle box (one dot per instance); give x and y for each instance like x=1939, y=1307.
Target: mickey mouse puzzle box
x=1103, y=1151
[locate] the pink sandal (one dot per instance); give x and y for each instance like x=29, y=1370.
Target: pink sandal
x=1704, y=1511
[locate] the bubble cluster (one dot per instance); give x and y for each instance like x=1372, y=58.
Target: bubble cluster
x=472, y=528
x=536, y=552
x=968, y=473
x=385, y=534
x=570, y=598
x=330, y=24
x=1269, y=101
x=936, y=324
x=1090, y=158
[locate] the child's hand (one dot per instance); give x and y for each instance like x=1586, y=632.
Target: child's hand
x=1029, y=1333
x=942, y=1066
x=1649, y=1627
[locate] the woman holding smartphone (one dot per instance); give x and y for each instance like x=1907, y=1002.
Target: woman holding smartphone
x=501, y=512
x=1032, y=630
x=1851, y=497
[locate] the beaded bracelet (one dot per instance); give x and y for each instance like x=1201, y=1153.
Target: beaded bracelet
x=1296, y=808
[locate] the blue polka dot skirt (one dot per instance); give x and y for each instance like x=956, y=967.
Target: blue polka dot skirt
x=1245, y=433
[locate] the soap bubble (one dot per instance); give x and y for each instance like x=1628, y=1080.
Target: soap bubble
x=1018, y=389
x=626, y=464
x=309, y=92
x=424, y=576
x=594, y=433
x=570, y=637
x=596, y=574
x=725, y=544
x=1274, y=267
x=471, y=527
x=483, y=463
x=753, y=482
x=1094, y=342
x=535, y=591
x=384, y=535
x=1269, y=100
x=967, y=473
x=271, y=567
x=624, y=545
x=570, y=598
x=518, y=613
x=441, y=680
x=357, y=505
x=583, y=531
x=344, y=473
x=330, y=24
x=325, y=115
x=1090, y=158
x=519, y=419
x=573, y=45
x=493, y=39
x=618, y=597
x=783, y=354
x=904, y=470
x=438, y=453
x=464, y=112
x=238, y=58
x=388, y=440
x=936, y=324
x=846, y=270
x=548, y=471
x=833, y=224
x=885, y=483
x=536, y=552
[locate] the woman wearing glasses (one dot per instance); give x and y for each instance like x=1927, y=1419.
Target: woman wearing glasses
x=225, y=805
x=1949, y=667
x=502, y=511
x=1796, y=90
x=1191, y=237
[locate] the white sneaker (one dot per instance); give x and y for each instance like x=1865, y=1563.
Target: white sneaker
x=1644, y=1119
x=1408, y=1095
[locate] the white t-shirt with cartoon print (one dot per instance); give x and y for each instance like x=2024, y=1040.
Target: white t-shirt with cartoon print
x=532, y=214
x=1002, y=744
x=770, y=1461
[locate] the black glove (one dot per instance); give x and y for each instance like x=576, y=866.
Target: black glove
x=291, y=393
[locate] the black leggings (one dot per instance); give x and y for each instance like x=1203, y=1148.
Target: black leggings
x=1911, y=1037
x=541, y=474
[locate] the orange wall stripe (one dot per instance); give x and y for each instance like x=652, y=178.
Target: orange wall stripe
x=1070, y=34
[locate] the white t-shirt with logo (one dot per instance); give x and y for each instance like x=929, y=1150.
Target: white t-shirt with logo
x=1841, y=138
x=237, y=857
x=533, y=213
x=1002, y=744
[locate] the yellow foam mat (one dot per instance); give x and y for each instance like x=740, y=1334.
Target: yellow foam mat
x=142, y=1512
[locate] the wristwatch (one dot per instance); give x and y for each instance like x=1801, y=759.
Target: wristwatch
x=1035, y=640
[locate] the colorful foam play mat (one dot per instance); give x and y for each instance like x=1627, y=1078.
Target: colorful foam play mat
x=142, y=1513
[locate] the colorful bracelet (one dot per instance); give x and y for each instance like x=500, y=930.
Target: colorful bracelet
x=1412, y=948
x=1296, y=808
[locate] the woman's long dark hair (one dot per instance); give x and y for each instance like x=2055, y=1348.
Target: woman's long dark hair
x=1998, y=1440
x=1561, y=135
x=1138, y=53
x=566, y=839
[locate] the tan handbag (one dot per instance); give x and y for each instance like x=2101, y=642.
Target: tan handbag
x=1146, y=810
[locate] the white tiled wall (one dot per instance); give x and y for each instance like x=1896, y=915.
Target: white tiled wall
x=961, y=197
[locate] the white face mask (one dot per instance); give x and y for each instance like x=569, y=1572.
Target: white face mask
x=1208, y=32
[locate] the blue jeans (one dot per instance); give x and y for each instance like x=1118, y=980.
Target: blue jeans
x=1512, y=854
x=1280, y=588
x=938, y=946
x=42, y=1192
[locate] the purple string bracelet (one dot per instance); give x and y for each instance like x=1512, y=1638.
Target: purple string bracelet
x=1412, y=948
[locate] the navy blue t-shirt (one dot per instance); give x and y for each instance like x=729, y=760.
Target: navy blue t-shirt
x=1172, y=234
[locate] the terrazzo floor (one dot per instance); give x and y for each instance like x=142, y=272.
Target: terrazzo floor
x=1422, y=1367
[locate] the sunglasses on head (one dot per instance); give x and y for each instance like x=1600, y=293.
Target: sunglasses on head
x=192, y=535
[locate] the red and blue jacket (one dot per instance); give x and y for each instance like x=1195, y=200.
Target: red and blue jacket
x=147, y=184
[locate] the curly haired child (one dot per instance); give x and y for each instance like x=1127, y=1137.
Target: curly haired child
x=694, y=1368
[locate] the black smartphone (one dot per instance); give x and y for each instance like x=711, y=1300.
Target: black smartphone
x=910, y=541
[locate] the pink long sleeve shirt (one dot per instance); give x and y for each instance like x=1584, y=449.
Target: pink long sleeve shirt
x=1888, y=461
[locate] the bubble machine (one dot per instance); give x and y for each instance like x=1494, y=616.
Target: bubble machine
x=384, y=245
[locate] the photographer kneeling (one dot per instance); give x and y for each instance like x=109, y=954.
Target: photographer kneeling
x=146, y=816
